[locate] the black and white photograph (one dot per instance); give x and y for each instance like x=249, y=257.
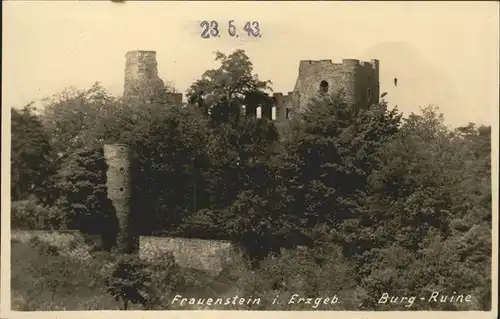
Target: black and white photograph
x=253, y=156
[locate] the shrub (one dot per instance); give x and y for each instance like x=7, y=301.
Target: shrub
x=34, y=241
x=53, y=271
x=30, y=214
x=320, y=271
x=129, y=281
x=167, y=277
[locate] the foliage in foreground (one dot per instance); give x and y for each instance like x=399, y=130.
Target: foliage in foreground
x=400, y=202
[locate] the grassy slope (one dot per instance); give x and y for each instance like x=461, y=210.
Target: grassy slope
x=30, y=294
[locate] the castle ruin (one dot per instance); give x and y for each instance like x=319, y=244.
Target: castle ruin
x=357, y=80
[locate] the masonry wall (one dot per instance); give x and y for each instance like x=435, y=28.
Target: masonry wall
x=142, y=83
x=174, y=98
x=285, y=105
x=207, y=255
x=210, y=255
x=353, y=77
x=367, y=82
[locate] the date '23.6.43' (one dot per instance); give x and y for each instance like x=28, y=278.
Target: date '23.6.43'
x=212, y=29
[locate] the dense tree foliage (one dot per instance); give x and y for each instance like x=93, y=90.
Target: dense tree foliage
x=72, y=118
x=398, y=204
x=221, y=93
x=32, y=156
x=81, y=183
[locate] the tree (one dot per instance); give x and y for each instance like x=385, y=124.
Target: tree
x=53, y=271
x=221, y=93
x=166, y=142
x=238, y=159
x=71, y=117
x=170, y=87
x=32, y=156
x=288, y=195
x=129, y=281
x=147, y=91
x=81, y=183
x=333, y=150
x=426, y=209
x=166, y=277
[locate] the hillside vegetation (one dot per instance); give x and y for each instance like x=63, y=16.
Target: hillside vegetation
x=383, y=203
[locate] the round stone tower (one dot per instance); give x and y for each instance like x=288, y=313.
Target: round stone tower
x=119, y=186
x=357, y=81
x=142, y=83
x=350, y=85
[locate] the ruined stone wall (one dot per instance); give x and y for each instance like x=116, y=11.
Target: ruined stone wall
x=207, y=255
x=358, y=80
x=174, y=98
x=285, y=105
x=210, y=255
x=119, y=186
x=142, y=83
x=367, y=85
x=352, y=77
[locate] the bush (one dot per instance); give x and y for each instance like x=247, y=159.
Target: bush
x=48, y=277
x=319, y=272
x=30, y=214
x=53, y=272
x=129, y=281
x=166, y=277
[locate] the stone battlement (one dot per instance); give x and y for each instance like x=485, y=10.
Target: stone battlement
x=347, y=62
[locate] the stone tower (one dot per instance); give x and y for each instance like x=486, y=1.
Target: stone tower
x=358, y=80
x=142, y=83
x=119, y=186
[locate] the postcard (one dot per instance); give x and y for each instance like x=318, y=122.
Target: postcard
x=264, y=158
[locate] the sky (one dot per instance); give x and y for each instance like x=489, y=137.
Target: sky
x=442, y=53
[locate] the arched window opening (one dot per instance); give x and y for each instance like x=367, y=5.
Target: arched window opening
x=273, y=113
x=323, y=86
x=259, y=112
x=287, y=113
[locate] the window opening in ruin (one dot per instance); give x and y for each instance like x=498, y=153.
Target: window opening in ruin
x=323, y=86
x=121, y=169
x=122, y=149
x=121, y=189
x=287, y=113
x=273, y=113
x=369, y=94
x=259, y=112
